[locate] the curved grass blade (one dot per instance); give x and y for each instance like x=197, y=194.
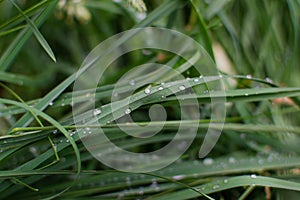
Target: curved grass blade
x=186, y=170
x=238, y=181
x=58, y=126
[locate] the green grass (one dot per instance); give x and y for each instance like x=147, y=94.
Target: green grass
x=255, y=45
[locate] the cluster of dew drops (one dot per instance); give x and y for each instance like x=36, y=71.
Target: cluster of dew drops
x=148, y=91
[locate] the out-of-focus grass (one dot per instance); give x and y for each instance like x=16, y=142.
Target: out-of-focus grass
x=256, y=46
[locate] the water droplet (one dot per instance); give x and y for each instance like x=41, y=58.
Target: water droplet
x=72, y=133
x=127, y=111
x=33, y=150
x=269, y=80
x=270, y=158
x=141, y=192
x=96, y=112
x=178, y=177
x=147, y=91
x=216, y=187
x=128, y=181
x=225, y=181
x=141, y=16
x=132, y=82
x=253, y=176
x=67, y=140
x=160, y=88
x=246, y=94
x=154, y=183
x=196, y=80
x=51, y=104
x=92, y=99
x=117, y=1
x=200, y=76
x=208, y=161
x=220, y=76
x=248, y=76
x=182, y=87
x=232, y=160
x=4, y=141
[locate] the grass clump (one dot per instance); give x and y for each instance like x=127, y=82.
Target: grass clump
x=252, y=45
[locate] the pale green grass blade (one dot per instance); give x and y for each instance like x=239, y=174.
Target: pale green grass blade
x=30, y=11
x=239, y=181
x=247, y=95
x=6, y=32
x=37, y=33
x=14, y=48
x=16, y=79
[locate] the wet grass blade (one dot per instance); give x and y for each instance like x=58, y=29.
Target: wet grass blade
x=238, y=181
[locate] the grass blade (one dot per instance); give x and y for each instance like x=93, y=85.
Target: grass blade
x=37, y=33
x=14, y=48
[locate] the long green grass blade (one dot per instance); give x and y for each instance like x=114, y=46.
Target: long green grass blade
x=14, y=48
x=238, y=181
x=37, y=33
